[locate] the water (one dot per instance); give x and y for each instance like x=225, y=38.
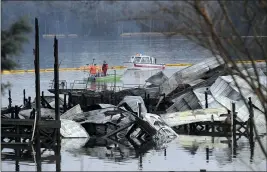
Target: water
x=185, y=153
x=73, y=53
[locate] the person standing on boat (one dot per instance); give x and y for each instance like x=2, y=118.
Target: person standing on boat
x=105, y=68
x=93, y=70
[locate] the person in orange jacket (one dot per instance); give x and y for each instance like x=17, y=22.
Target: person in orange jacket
x=105, y=68
x=93, y=70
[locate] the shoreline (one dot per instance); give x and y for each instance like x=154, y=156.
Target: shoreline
x=81, y=68
x=154, y=34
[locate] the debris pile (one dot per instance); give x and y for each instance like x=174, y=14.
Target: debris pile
x=209, y=85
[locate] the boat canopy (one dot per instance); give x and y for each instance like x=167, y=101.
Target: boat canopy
x=139, y=58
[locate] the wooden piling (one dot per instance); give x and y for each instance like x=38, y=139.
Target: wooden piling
x=148, y=103
x=17, y=153
x=206, y=99
x=29, y=106
x=37, y=90
x=42, y=99
x=114, y=81
x=212, y=125
x=206, y=106
x=56, y=79
x=70, y=100
x=207, y=154
x=234, y=115
x=12, y=113
x=84, y=103
x=9, y=99
x=57, y=114
x=65, y=103
x=16, y=109
x=252, y=147
x=140, y=161
x=37, y=70
x=32, y=116
x=251, y=120
x=24, y=97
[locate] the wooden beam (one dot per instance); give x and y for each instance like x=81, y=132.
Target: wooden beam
x=118, y=130
x=15, y=145
x=30, y=122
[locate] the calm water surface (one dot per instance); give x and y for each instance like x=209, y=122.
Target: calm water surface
x=185, y=153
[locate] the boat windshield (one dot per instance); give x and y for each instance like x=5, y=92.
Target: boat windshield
x=145, y=60
x=137, y=59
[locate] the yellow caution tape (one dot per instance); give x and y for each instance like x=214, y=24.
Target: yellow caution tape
x=86, y=68
x=180, y=64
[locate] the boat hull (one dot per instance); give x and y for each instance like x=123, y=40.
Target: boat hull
x=144, y=66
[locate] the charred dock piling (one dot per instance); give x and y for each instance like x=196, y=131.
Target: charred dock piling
x=28, y=136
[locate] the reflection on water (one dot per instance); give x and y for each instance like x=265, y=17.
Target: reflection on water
x=185, y=153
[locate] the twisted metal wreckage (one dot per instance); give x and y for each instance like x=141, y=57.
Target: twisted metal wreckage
x=184, y=91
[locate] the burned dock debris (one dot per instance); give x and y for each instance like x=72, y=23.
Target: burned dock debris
x=202, y=96
x=45, y=121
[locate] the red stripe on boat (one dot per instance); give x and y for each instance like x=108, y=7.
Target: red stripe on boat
x=149, y=66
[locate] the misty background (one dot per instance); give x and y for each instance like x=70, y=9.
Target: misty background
x=84, y=18
x=97, y=26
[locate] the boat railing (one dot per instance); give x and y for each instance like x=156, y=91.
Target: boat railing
x=133, y=86
x=63, y=84
x=78, y=82
x=125, y=86
x=115, y=88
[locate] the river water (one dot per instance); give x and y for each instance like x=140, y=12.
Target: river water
x=186, y=153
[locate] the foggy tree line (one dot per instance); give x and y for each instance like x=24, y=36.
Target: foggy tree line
x=85, y=18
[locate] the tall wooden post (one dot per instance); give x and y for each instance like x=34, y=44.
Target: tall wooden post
x=56, y=79
x=140, y=161
x=251, y=116
x=29, y=105
x=206, y=98
x=37, y=91
x=24, y=97
x=9, y=99
x=70, y=100
x=207, y=154
x=37, y=70
x=206, y=106
x=234, y=128
x=65, y=103
x=148, y=103
x=57, y=114
x=42, y=99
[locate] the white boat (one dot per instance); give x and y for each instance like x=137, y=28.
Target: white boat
x=143, y=62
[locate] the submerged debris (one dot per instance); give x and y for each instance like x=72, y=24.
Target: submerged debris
x=72, y=129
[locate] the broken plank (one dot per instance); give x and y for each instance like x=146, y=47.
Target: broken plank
x=15, y=145
x=30, y=122
x=118, y=130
